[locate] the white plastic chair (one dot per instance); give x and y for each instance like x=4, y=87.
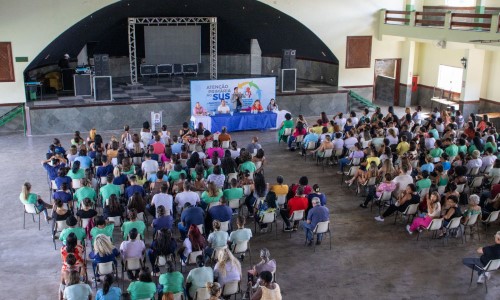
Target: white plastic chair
x=470, y=223
x=268, y=218
x=224, y=226
x=226, y=144
x=490, y=219
x=191, y=259
x=116, y=220
x=385, y=197
x=202, y=294
x=231, y=288
x=242, y=247
x=323, y=228
x=209, y=144
x=492, y=265
x=434, y=226
x=103, y=269
x=247, y=189
x=411, y=210
x=280, y=201
x=297, y=215
x=30, y=209
x=231, y=176
x=425, y=191
x=454, y=226
x=131, y=264
x=201, y=228
x=325, y=157
x=476, y=183
x=76, y=183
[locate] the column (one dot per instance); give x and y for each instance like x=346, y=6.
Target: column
x=472, y=80
x=407, y=71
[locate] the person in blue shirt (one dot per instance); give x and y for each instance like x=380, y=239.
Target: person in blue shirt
x=103, y=251
x=85, y=161
x=56, y=163
x=444, y=162
x=428, y=166
x=62, y=178
x=315, y=215
x=64, y=195
x=310, y=137
x=134, y=188
x=105, y=169
x=191, y=215
x=220, y=212
x=57, y=147
x=108, y=292
x=176, y=146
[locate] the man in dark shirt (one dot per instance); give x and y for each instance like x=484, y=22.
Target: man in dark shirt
x=488, y=253
x=105, y=169
x=190, y=215
x=134, y=188
x=220, y=212
x=57, y=162
x=408, y=196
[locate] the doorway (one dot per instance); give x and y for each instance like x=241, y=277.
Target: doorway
x=387, y=74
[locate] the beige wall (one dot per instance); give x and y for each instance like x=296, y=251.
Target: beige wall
x=430, y=57
x=30, y=25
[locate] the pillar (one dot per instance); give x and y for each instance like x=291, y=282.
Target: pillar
x=407, y=71
x=472, y=80
x=255, y=57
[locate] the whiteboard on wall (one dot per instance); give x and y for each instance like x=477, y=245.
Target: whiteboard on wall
x=450, y=78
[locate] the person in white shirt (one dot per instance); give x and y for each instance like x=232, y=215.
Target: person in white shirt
x=402, y=180
x=340, y=120
x=391, y=125
x=488, y=159
x=149, y=166
x=133, y=248
x=235, y=151
x=475, y=162
x=430, y=142
x=349, y=141
x=338, y=142
x=223, y=108
x=186, y=196
x=164, y=199
x=354, y=119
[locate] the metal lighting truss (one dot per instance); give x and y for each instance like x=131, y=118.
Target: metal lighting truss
x=168, y=21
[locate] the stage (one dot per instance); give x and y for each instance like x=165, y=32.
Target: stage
x=132, y=105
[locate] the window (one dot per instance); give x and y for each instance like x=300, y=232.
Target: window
x=460, y=2
x=450, y=78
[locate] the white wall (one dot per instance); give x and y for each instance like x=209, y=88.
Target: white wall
x=30, y=26
x=333, y=20
x=493, y=87
x=430, y=57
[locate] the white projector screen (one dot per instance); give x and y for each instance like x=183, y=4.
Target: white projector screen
x=172, y=44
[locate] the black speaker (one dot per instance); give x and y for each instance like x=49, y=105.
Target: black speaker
x=148, y=70
x=177, y=69
x=103, y=88
x=165, y=69
x=288, y=80
x=67, y=79
x=83, y=84
x=288, y=59
x=101, y=65
x=190, y=68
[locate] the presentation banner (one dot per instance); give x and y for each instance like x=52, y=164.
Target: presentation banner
x=210, y=93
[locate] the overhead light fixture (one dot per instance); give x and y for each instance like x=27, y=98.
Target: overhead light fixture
x=464, y=62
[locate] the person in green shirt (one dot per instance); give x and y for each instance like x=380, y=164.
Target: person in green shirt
x=246, y=164
x=86, y=191
x=287, y=123
x=102, y=228
x=110, y=188
x=425, y=182
x=174, y=175
x=234, y=192
x=452, y=149
x=78, y=231
x=490, y=144
x=76, y=172
x=462, y=147
x=144, y=288
x=26, y=197
x=172, y=281
x=133, y=223
x=212, y=194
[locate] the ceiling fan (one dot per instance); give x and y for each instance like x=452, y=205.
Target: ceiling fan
x=484, y=41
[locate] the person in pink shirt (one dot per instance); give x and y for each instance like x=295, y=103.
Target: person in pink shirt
x=386, y=186
x=158, y=146
x=299, y=130
x=215, y=148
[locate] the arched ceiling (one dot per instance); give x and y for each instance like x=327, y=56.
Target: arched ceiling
x=238, y=22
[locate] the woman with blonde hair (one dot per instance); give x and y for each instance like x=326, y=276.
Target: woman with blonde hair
x=215, y=290
x=212, y=194
x=228, y=268
x=387, y=168
x=104, y=251
x=92, y=134
x=27, y=197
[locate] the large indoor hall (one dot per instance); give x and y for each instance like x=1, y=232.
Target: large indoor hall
x=249, y=149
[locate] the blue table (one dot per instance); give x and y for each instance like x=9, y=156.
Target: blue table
x=243, y=121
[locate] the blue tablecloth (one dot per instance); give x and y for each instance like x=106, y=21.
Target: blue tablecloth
x=244, y=121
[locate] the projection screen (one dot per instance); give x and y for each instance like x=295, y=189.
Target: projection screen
x=172, y=44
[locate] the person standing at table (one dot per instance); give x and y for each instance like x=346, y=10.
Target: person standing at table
x=236, y=99
x=223, y=108
x=257, y=107
x=272, y=106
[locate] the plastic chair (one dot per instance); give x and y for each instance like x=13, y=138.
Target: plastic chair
x=242, y=247
x=76, y=184
x=434, y=226
x=350, y=173
x=30, y=209
x=212, y=204
x=327, y=155
x=385, y=197
x=454, y=226
x=58, y=228
x=202, y=294
x=231, y=288
x=425, y=191
x=131, y=264
x=224, y=226
x=476, y=183
x=470, y=223
x=322, y=227
x=490, y=219
x=411, y=210
x=268, y=218
x=280, y=201
x=191, y=259
x=209, y=144
x=201, y=228
x=116, y=220
x=286, y=133
x=231, y=176
x=296, y=216
x=103, y=269
x=226, y=144
x=492, y=265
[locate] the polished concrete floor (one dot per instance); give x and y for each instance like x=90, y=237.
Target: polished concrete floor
x=367, y=260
